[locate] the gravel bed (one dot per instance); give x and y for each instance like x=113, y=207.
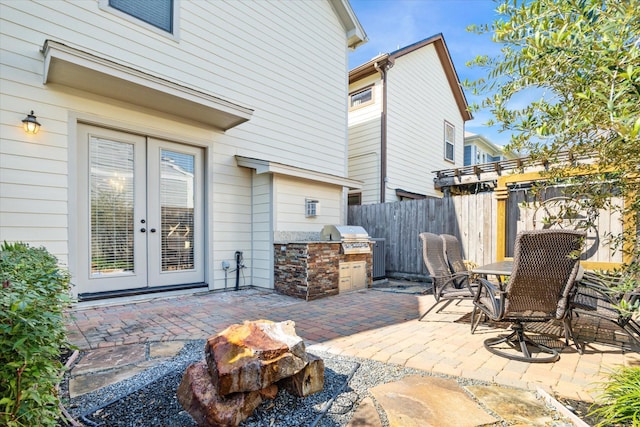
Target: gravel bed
x=149, y=398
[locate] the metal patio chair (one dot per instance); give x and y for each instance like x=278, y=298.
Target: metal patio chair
x=447, y=285
x=595, y=297
x=545, y=266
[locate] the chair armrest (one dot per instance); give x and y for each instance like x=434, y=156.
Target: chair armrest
x=492, y=288
x=489, y=298
x=442, y=281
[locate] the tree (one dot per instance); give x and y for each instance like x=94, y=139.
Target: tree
x=579, y=60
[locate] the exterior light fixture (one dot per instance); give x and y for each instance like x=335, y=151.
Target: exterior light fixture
x=30, y=124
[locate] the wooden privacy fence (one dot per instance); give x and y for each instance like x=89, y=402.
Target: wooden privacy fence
x=470, y=217
x=475, y=220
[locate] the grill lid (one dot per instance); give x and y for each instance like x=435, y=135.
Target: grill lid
x=344, y=232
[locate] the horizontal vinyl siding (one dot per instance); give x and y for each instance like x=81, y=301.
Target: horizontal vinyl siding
x=262, y=254
x=366, y=168
x=285, y=60
x=419, y=101
x=290, y=198
x=364, y=141
x=280, y=69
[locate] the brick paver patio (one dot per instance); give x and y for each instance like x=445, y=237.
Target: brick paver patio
x=379, y=323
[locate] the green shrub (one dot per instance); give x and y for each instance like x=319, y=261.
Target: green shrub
x=620, y=399
x=35, y=293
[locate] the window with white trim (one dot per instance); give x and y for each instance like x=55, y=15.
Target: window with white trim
x=449, y=142
x=361, y=97
x=157, y=13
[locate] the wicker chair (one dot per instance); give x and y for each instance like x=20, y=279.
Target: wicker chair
x=447, y=285
x=539, y=289
x=453, y=252
x=595, y=297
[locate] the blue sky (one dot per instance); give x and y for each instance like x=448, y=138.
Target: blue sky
x=393, y=24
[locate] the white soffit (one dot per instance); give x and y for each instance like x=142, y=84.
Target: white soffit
x=266, y=166
x=354, y=31
x=74, y=68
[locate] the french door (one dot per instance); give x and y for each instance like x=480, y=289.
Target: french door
x=141, y=219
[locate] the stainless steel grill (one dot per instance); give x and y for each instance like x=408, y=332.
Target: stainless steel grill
x=354, y=239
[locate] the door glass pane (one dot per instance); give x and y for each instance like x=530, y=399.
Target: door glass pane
x=112, y=195
x=177, y=200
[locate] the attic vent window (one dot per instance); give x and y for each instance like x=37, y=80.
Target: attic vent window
x=311, y=208
x=361, y=97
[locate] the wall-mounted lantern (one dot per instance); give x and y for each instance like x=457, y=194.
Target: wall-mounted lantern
x=30, y=124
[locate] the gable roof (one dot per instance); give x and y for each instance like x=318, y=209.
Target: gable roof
x=355, y=33
x=439, y=44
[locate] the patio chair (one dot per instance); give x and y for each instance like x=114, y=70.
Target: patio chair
x=544, y=273
x=595, y=297
x=453, y=253
x=447, y=285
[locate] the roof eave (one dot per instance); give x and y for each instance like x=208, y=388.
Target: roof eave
x=355, y=33
x=438, y=42
x=369, y=68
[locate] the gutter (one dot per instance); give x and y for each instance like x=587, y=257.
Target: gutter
x=383, y=69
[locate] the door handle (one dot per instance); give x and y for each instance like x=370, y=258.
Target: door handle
x=153, y=230
x=142, y=230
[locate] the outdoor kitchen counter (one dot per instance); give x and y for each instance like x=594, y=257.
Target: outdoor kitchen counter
x=318, y=269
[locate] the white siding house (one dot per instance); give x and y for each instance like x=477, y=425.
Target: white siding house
x=406, y=119
x=241, y=103
x=478, y=149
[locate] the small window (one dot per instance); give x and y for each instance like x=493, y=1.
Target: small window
x=159, y=13
x=355, y=199
x=449, y=141
x=361, y=97
x=468, y=155
x=311, y=208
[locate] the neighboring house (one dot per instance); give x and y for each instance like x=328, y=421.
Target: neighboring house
x=406, y=119
x=172, y=136
x=478, y=150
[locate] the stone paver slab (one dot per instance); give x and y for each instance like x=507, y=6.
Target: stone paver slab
x=165, y=349
x=88, y=383
x=417, y=401
x=515, y=406
x=110, y=357
x=366, y=415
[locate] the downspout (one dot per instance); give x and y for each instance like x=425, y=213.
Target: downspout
x=383, y=127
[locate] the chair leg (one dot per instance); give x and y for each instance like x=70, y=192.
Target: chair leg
x=446, y=303
x=633, y=333
x=570, y=335
x=428, y=311
x=523, y=341
x=519, y=341
x=476, y=318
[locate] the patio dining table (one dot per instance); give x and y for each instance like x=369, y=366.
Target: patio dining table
x=500, y=268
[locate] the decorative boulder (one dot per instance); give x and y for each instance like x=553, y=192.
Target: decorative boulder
x=242, y=365
x=254, y=355
x=199, y=397
x=308, y=381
